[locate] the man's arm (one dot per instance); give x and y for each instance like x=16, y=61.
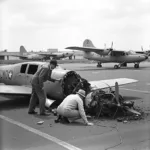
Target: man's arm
x=42, y=75
x=81, y=110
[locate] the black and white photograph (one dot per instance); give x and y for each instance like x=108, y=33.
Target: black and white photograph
x=74, y=75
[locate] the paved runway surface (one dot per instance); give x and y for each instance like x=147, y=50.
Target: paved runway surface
x=20, y=131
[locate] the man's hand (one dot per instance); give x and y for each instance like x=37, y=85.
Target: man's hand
x=90, y=124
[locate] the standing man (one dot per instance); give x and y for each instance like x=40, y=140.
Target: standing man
x=38, y=93
x=72, y=108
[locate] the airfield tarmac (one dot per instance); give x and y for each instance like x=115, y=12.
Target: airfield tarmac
x=20, y=131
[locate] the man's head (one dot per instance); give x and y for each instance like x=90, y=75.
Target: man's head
x=81, y=93
x=53, y=63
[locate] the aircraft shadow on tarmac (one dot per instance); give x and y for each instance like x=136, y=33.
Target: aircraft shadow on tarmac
x=23, y=102
x=14, y=103
x=50, y=116
x=107, y=68
x=76, y=123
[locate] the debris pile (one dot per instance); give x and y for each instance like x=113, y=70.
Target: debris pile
x=105, y=104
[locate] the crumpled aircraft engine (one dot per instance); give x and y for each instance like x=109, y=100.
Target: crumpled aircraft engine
x=71, y=82
x=101, y=103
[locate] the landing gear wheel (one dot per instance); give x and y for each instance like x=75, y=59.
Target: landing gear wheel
x=99, y=64
x=136, y=66
x=116, y=67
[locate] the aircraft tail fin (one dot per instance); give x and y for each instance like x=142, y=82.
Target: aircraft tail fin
x=88, y=43
x=22, y=50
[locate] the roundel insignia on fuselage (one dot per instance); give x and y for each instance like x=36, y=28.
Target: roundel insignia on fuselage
x=10, y=74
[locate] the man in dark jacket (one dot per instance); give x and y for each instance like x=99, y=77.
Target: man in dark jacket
x=38, y=93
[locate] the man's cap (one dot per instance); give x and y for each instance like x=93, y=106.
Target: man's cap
x=54, y=62
x=81, y=92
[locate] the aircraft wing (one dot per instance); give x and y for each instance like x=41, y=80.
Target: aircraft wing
x=96, y=50
x=15, y=55
x=51, y=54
x=86, y=49
x=102, y=84
x=15, y=90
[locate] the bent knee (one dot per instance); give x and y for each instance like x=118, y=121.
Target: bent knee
x=59, y=111
x=71, y=113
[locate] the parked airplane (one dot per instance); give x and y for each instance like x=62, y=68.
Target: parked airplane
x=39, y=55
x=16, y=81
x=43, y=55
x=108, y=55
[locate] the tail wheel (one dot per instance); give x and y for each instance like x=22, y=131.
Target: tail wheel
x=99, y=64
x=136, y=66
x=116, y=66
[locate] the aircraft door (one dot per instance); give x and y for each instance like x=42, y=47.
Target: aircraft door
x=31, y=70
x=21, y=76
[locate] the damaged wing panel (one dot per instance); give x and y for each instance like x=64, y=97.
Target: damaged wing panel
x=102, y=84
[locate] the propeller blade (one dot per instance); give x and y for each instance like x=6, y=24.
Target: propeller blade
x=112, y=45
x=142, y=48
x=105, y=46
x=111, y=49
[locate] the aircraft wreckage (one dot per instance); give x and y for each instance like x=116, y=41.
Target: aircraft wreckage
x=17, y=81
x=98, y=102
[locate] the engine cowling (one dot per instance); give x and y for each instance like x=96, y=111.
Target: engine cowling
x=70, y=83
x=59, y=90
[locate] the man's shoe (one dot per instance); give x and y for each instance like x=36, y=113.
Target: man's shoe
x=65, y=120
x=58, y=119
x=32, y=112
x=44, y=114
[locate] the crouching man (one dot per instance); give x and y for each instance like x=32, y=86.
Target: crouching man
x=72, y=108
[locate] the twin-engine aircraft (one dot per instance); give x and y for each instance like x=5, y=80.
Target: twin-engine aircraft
x=16, y=79
x=23, y=54
x=108, y=55
x=43, y=55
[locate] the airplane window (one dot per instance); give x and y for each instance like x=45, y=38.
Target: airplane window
x=23, y=68
x=32, y=69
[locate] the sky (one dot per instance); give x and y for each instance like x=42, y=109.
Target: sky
x=43, y=24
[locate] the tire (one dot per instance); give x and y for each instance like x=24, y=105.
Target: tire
x=136, y=66
x=116, y=66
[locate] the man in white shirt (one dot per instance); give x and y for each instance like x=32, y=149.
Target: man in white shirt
x=72, y=107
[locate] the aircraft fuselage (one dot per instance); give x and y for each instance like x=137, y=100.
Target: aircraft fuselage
x=22, y=73
x=119, y=59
